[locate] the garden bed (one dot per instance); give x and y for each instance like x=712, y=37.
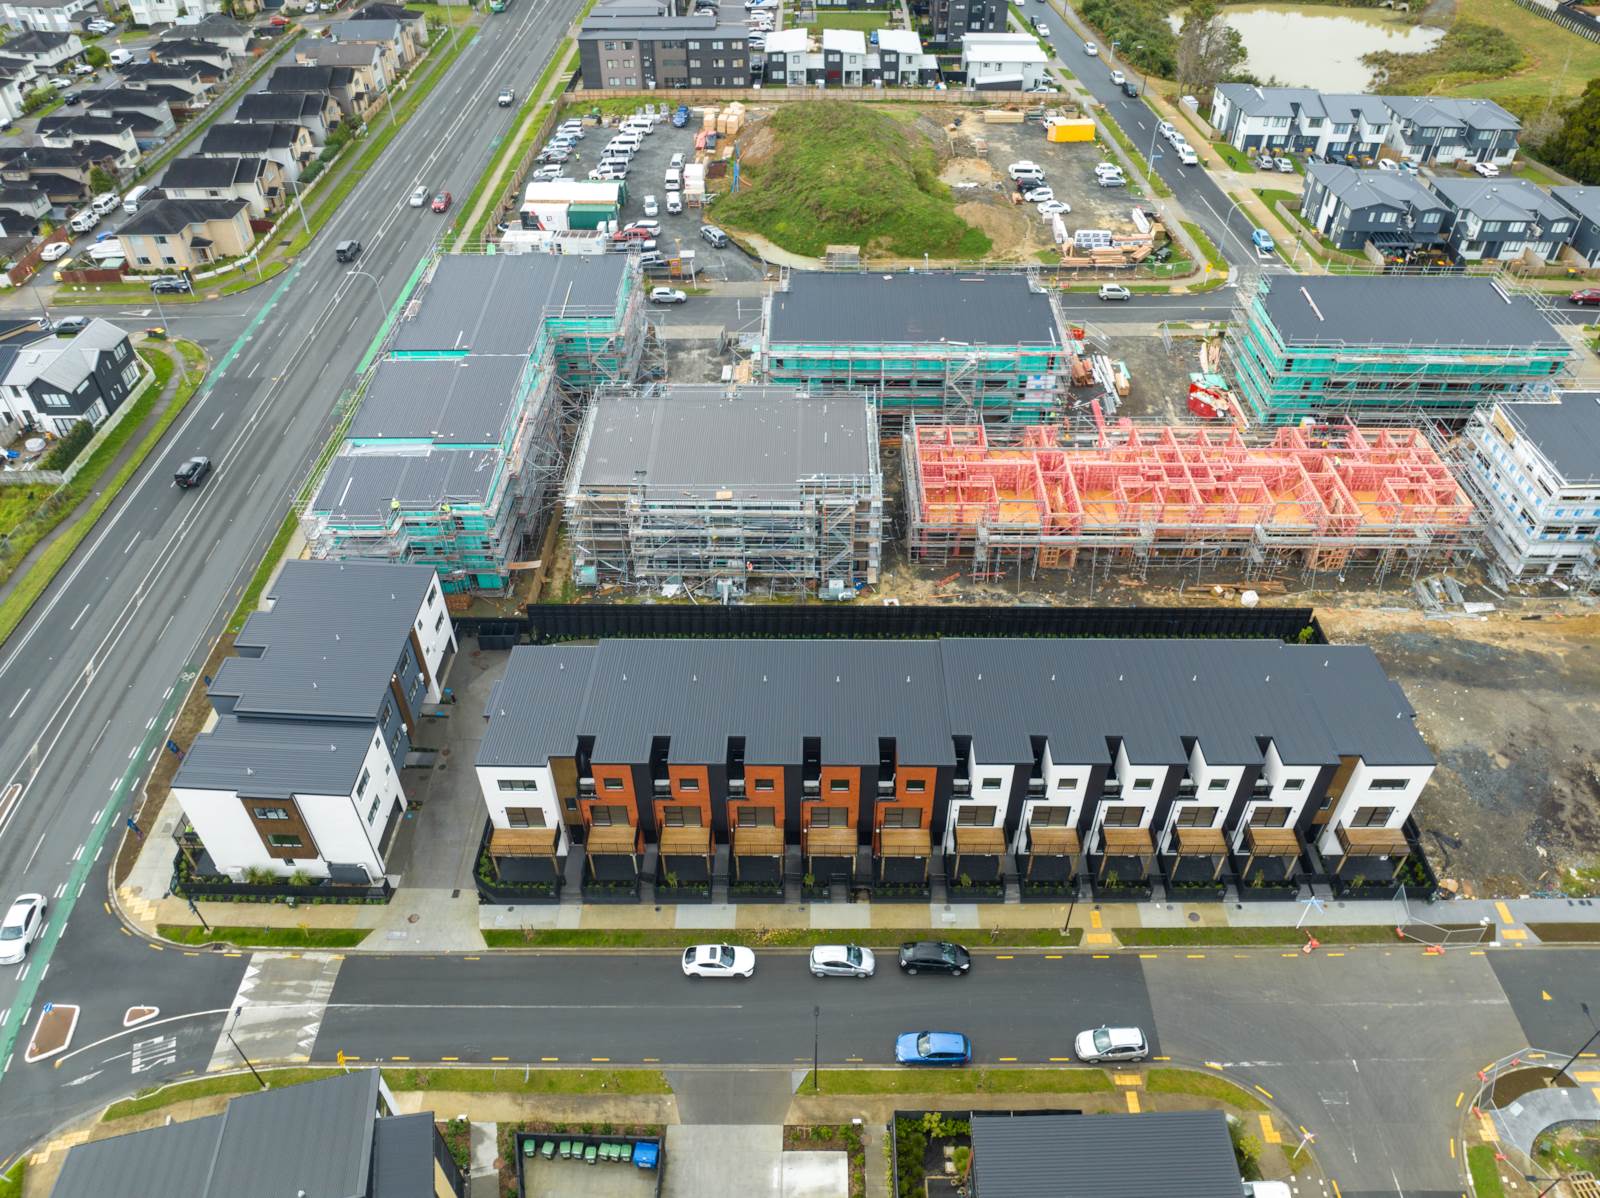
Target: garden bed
x=832, y=1137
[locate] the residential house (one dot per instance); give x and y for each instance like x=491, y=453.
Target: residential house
x=22, y=209
x=1534, y=470
x=1392, y=209
x=622, y=51
x=1332, y=127
x=316, y=716
x=400, y=48
x=1440, y=130
x=290, y=146
x=336, y=1137
x=23, y=70
x=193, y=82
x=61, y=172
x=1583, y=203
x=50, y=16
x=1003, y=61
x=415, y=23
x=790, y=58
x=315, y=112
x=46, y=50
x=233, y=36
x=13, y=92
x=187, y=49
x=185, y=234
x=149, y=114
x=844, y=57
x=52, y=383
x=949, y=20
x=256, y=181
x=348, y=91
x=106, y=137
x=900, y=61
x=366, y=59
x=1504, y=220
x=172, y=12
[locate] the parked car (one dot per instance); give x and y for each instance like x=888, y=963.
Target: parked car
x=1263, y=242
x=442, y=201
x=842, y=961
x=55, y=251
x=934, y=956
x=59, y=82
x=1114, y=291
x=674, y=203
x=631, y=233
x=602, y=174
x=933, y=1048
x=718, y=961
x=546, y=174
x=192, y=473
x=1487, y=169
x=82, y=68
x=1092, y=50
x=1048, y=208
x=1186, y=155
x=675, y=163
x=1587, y=296
x=507, y=97
x=1111, y=1044
x=23, y=924
x=1025, y=170
x=680, y=116
x=1118, y=78
x=1166, y=129
x=1265, y=162
x=1388, y=164
x=171, y=285
x=70, y=324
x=667, y=295
x=1283, y=165
x=714, y=236
x=652, y=227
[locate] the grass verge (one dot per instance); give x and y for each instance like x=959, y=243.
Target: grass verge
x=1192, y=937
x=1485, y=1172
x=1566, y=933
x=209, y=1087
x=265, y=937
x=761, y=937
x=1209, y=251
x=38, y=576
x=11, y=1181
x=258, y=581
x=1202, y=1085
x=530, y=1081
x=1157, y=184
x=1067, y=1080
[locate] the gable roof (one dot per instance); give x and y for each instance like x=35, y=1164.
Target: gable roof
x=844, y=41
x=37, y=41
x=1367, y=189
x=393, y=12
x=341, y=54
x=191, y=47
x=83, y=125
x=125, y=97
x=212, y=24
x=1579, y=200
x=1390, y=310
x=64, y=362
x=212, y=173
x=371, y=30
x=900, y=41
x=290, y=106
x=1439, y=111
x=170, y=215
x=308, y=78
x=1567, y=432
x=1500, y=199
x=249, y=137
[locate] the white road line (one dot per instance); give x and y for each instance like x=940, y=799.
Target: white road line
x=96, y=744
x=133, y=752
x=253, y=370
x=35, y=852
x=150, y=756
x=78, y=853
x=20, y=702
x=132, y=542
x=72, y=627
x=209, y=553
x=22, y=973
x=221, y=416
x=60, y=890
x=46, y=968
x=253, y=483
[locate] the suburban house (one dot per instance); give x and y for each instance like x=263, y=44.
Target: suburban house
x=148, y=113
x=414, y=22
x=1534, y=470
x=47, y=50
x=185, y=234
x=899, y=60
x=172, y=12
x=53, y=16
x=315, y=112
x=349, y=92
x=61, y=172
x=256, y=181
x=336, y=1137
x=1446, y=129
x=194, y=80
x=790, y=58
x=187, y=49
x=1584, y=204
x=948, y=20
x=12, y=91
x=22, y=209
x=844, y=57
x=105, y=137
x=1008, y=61
x=233, y=36
x=400, y=48
x=53, y=383
x=1332, y=127
x=315, y=717
x=1073, y=758
x=290, y=146
x=1394, y=210
x=366, y=59
x=620, y=50
x=1504, y=220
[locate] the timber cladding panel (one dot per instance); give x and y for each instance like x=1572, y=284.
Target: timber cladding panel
x=283, y=819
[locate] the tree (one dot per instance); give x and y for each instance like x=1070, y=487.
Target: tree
x=101, y=180
x=1209, y=50
x=37, y=99
x=96, y=57
x=1574, y=149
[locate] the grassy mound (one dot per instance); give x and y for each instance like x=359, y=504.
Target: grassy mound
x=830, y=173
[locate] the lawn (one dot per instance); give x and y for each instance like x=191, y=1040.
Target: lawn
x=1549, y=53
x=265, y=937
x=258, y=581
x=1232, y=156
x=18, y=503
x=11, y=1180
x=1485, y=1171
x=1194, y=937
x=530, y=1081
x=1212, y=256
x=831, y=173
x=209, y=1087
x=1204, y=1085
x=960, y=1081
x=864, y=21
x=761, y=938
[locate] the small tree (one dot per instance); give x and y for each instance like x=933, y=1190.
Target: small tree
x=1575, y=147
x=37, y=99
x=96, y=57
x=1209, y=50
x=101, y=180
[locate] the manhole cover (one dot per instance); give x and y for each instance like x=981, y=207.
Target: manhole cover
x=412, y=918
x=1194, y=917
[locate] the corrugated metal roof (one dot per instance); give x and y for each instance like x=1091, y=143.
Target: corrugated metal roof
x=402, y=1156
x=1581, y=201
x=1363, y=189
x=1500, y=199
x=753, y=442
x=875, y=308
x=144, y=1164
x=1398, y=311
x=369, y=484
x=276, y=758
x=1160, y=1154
x=1567, y=432
x=536, y=707
x=461, y=401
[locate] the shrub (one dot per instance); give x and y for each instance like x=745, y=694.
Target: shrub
x=1246, y=1151
x=66, y=450
x=37, y=99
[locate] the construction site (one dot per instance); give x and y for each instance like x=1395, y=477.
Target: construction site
x=726, y=491
x=1126, y=498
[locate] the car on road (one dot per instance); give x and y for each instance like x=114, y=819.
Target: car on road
x=667, y=295
x=1586, y=296
x=1487, y=169
x=651, y=207
x=442, y=201
x=934, y=956
x=1283, y=165
x=842, y=961
x=1114, y=291
x=933, y=1048
x=714, y=236
x=1129, y=89
x=192, y=473
x=718, y=961
x=1092, y=50
x=1118, y=78
x=55, y=251
x=347, y=251
x=507, y=97
x=1262, y=240
x=1049, y=208
x=70, y=324
x=171, y=285
x=23, y=924
x=1111, y=1044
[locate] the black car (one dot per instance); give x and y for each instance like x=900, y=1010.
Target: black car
x=347, y=251
x=192, y=473
x=171, y=284
x=934, y=956
x=1130, y=88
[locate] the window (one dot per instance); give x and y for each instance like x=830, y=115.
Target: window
x=1195, y=817
x=525, y=817
x=757, y=817
x=839, y=784
x=830, y=817
x=1269, y=817
x=970, y=815
x=1122, y=817
x=916, y=786
x=519, y=784
x=1372, y=817
x=361, y=786
x=602, y=815
x=1143, y=783
x=1387, y=784
x=372, y=811
x=1292, y=784
x=54, y=399
x=1066, y=784
x=1217, y=784
x=385, y=712
x=989, y=783
x=278, y=841
x=688, y=783
x=269, y=813
x=901, y=817
x=611, y=783
x=764, y=784
x=680, y=816
x=439, y=623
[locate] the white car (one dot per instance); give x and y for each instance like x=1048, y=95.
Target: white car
x=59, y=82
x=1092, y=50
x=842, y=961
x=1487, y=169
x=651, y=208
x=668, y=295
x=82, y=68
x=1025, y=170
x=55, y=251
x=1038, y=195
x=1166, y=129
x=1118, y=78
x=1111, y=1044
x=1049, y=208
x=1388, y=164
x=24, y=924
x=718, y=961
x=419, y=197
x=674, y=203
x=676, y=163
x=652, y=227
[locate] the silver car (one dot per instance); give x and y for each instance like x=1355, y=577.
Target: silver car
x=1111, y=1044
x=842, y=961
x=23, y=924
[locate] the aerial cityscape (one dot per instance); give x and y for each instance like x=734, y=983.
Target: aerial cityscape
x=799, y=599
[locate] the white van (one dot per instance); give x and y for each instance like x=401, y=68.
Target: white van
x=674, y=178
x=120, y=57
x=106, y=203
x=674, y=203
x=84, y=221
x=130, y=202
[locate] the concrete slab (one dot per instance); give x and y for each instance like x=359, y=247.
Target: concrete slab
x=575, y=1179
x=953, y=915
x=725, y=1097
x=815, y=1175
x=707, y=915
x=841, y=915
x=281, y=1001
x=724, y=1159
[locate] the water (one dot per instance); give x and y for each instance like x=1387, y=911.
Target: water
x=1278, y=39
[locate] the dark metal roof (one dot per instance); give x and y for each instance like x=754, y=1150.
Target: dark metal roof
x=236, y=137
x=1367, y=189
x=270, y=759
x=402, y=1156
x=142, y=1164
x=1581, y=201
x=359, y=484
x=174, y=216
x=1161, y=1154
x=214, y=173
x=1567, y=432
x=448, y=401
x=753, y=442
x=875, y=308
x=281, y=106
x=1390, y=311
x=535, y=709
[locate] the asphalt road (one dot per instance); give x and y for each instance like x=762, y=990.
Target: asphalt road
x=91, y=669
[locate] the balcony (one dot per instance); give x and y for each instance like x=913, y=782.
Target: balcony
x=1271, y=870
x=1121, y=872
x=901, y=864
x=1194, y=869
x=976, y=869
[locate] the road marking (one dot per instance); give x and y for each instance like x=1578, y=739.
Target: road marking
x=221, y=416
x=60, y=890
x=35, y=852
x=1291, y=954
x=73, y=627
x=499, y=1058
x=1459, y=1098
x=1148, y=956
x=1513, y=934
x=1333, y=954
x=1545, y=994
x=1266, y=1093
x=1161, y=1058
x=1058, y=1060
x=1195, y=956
x=1094, y=920
x=157, y=947
x=124, y=930
x=1133, y=1101
x=1102, y=956
x=1452, y=1148
x=549, y=1058
x=1504, y=912
x=472, y=958
x=1217, y=1065
x=601, y=1060
x=1052, y=956
x=1008, y=1058
x=1005, y=957
x=449, y=1058
x=657, y=1060
x=20, y=702
x=131, y=544
x=399, y=1058
x=1335, y=1184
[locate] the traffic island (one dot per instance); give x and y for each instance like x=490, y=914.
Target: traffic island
x=53, y=1033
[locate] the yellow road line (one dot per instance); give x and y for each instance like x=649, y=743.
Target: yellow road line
x=1586, y=1076
x=1008, y=1058
x=1195, y=956
x=1477, y=952
x=549, y=1058
x=1504, y=912
x=1005, y=956
x=601, y=1060
x=1452, y=1148
x=657, y=1060
x=1337, y=1193
x=1133, y=1101
x=1052, y=956
x=107, y=906
x=1148, y=956
x=1102, y=956
x=399, y=1058
x=855, y=1059
x=1060, y=1059
x=472, y=958
x=1217, y=1065
x=1333, y=954
x=1266, y=1092
x=124, y=930
x=1459, y=1098
x=1161, y=1058
x=348, y=1057
x=191, y=954
x=499, y=1058
x=157, y=947
x=1269, y=1133
x=1288, y=954
x=1513, y=934
x=224, y=954
x=449, y=1058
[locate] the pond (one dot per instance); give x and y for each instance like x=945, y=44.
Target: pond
x=1277, y=37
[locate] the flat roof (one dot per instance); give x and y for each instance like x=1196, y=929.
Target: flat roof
x=757, y=442
x=876, y=308
x=1567, y=432
x=274, y=759
x=448, y=401
x=361, y=484
x=492, y=303
x=1391, y=311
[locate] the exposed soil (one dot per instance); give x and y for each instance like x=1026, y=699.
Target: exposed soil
x=53, y=1032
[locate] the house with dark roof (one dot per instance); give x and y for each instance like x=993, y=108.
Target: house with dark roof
x=1330, y=126
x=173, y=234
x=193, y=79
x=1584, y=204
x=1441, y=130
x=400, y=48
x=317, y=112
x=52, y=383
x=348, y=91
x=233, y=36
x=289, y=145
x=154, y=113
x=47, y=50
x=22, y=209
x=366, y=59
x=256, y=181
x=61, y=172
x=51, y=16
x=316, y=715
x=105, y=137
x=415, y=22
x=1504, y=220
x=1394, y=210
x=337, y=1137
x=191, y=49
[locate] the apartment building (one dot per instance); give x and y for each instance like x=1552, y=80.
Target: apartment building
x=1003, y=61
x=1442, y=130
x=844, y=57
x=1584, y=204
x=299, y=767
x=1534, y=469
x=885, y=760
x=949, y=20
x=1394, y=210
x=621, y=50
x=1504, y=220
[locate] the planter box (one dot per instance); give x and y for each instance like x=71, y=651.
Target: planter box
x=1210, y=892
x=1049, y=892
x=1137, y=893
x=913, y=894
x=511, y=895
x=1272, y=892
x=1368, y=892
x=978, y=892
x=819, y=894
x=756, y=892
x=592, y=894
x=681, y=895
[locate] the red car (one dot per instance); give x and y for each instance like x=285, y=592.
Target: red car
x=632, y=235
x=442, y=201
x=278, y=22
x=1589, y=295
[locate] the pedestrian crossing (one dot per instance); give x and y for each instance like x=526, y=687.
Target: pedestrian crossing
x=277, y=1011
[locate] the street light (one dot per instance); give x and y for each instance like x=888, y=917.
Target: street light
x=816, y=1043
x=300, y=202
x=228, y=1032
x=376, y=289
x=1595, y=1036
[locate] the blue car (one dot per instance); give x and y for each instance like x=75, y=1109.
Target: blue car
x=933, y=1048
x=680, y=118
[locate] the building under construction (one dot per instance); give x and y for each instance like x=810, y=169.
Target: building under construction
x=723, y=491
x=1368, y=347
x=940, y=344
x=1312, y=498
x=453, y=451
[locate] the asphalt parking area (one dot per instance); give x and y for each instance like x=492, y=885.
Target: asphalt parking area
x=1544, y=988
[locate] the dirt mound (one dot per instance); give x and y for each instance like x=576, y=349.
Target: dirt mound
x=968, y=170
x=757, y=143
x=1014, y=229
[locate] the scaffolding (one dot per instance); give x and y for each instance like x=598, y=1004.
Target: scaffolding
x=1325, y=497
x=747, y=490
